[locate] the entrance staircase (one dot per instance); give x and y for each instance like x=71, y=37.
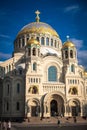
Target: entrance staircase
x=54, y=120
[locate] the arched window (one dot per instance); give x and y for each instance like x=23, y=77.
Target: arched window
x=72, y=68
x=27, y=38
x=55, y=43
x=20, y=71
x=34, y=90
x=7, y=106
x=51, y=42
x=66, y=54
x=47, y=41
x=8, y=89
x=18, y=88
x=73, y=91
x=19, y=44
x=29, y=51
x=52, y=73
x=37, y=39
x=23, y=42
x=17, y=106
x=42, y=41
x=71, y=53
x=34, y=51
x=34, y=66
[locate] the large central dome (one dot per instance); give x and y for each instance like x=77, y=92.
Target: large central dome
x=39, y=28
x=45, y=35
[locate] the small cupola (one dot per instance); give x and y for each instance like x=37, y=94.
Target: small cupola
x=32, y=41
x=68, y=43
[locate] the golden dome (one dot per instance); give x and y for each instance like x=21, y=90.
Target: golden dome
x=39, y=28
x=68, y=44
x=33, y=41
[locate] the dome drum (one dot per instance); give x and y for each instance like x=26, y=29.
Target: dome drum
x=44, y=40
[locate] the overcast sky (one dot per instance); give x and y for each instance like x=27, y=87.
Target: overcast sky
x=67, y=17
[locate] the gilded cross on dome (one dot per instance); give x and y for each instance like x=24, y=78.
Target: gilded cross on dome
x=37, y=15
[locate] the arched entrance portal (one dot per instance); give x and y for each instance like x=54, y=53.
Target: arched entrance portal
x=34, y=108
x=53, y=108
x=74, y=107
x=56, y=105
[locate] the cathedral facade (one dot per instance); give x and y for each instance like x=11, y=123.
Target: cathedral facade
x=43, y=77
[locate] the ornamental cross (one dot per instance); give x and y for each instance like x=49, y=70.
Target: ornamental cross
x=37, y=16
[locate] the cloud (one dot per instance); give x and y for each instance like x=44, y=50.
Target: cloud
x=81, y=53
x=77, y=42
x=4, y=55
x=73, y=8
x=4, y=36
x=82, y=58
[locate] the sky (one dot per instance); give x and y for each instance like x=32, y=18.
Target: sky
x=67, y=17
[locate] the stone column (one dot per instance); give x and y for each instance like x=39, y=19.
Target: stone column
x=66, y=112
x=50, y=41
x=40, y=40
x=20, y=42
x=25, y=40
x=46, y=113
x=44, y=109
x=29, y=112
x=45, y=40
x=81, y=114
x=41, y=114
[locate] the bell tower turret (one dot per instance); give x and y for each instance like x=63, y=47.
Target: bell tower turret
x=32, y=48
x=69, y=56
x=69, y=52
x=32, y=52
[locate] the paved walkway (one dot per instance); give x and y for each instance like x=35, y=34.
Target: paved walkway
x=51, y=121
x=51, y=124
x=36, y=121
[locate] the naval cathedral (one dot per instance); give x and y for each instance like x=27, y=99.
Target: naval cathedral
x=43, y=77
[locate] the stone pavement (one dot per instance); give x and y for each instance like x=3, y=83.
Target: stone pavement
x=52, y=127
x=51, y=121
x=50, y=124
x=36, y=121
